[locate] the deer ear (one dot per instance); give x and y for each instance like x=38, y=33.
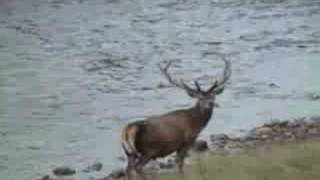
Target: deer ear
x=219, y=90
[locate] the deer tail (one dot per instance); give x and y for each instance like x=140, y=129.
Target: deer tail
x=128, y=138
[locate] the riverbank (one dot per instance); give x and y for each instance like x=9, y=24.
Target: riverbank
x=279, y=149
x=294, y=161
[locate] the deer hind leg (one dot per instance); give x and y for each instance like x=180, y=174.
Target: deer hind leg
x=130, y=166
x=140, y=164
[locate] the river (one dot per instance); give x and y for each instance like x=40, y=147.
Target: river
x=73, y=72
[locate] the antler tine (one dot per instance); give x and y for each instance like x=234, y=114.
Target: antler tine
x=215, y=85
x=196, y=83
x=226, y=75
x=226, y=72
x=180, y=84
x=164, y=71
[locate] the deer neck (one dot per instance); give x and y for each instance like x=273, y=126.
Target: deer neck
x=201, y=115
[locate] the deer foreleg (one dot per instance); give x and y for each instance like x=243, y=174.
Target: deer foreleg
x=181, y=154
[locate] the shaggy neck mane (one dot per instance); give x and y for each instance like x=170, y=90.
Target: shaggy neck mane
x=201, y=115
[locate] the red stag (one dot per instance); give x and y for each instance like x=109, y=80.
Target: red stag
x=176, y=131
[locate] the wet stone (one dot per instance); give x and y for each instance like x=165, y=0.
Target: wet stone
x=233, y=148
x=167, y=165
x=64, y=171
x=278, y=139
x=3, y=133
x=45, y=177
x=200, y=146
x=264, y=136
x=117, y=174
x=315, y=119
x=313, y=131
x=263, y=131
x=288, y=134
x=313, y=96
x=97, y=166
x=122, y=158
x=219, y=137
x=300, y=135
x=277, y=124
x=249, y=137
x=302, y=46
x=274, y=85
x=249, y=144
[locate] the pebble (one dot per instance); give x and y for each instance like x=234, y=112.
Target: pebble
x=264, y=136
x=288, y=134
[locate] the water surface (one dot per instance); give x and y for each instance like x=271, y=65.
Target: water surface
x=73, y=72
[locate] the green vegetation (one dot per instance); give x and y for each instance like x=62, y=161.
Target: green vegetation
x=296, y=161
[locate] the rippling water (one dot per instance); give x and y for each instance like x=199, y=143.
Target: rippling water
x=73, y=72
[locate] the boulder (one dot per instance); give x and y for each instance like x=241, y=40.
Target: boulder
x=63, y=171
x=288, y=134
x=219, y=137
x=200, y=146
x=265, y=136
x=262, y=131
x=117, y=174
x=313, y=131
x=167, y=165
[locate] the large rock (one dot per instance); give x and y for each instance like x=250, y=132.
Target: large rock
x=200, y=146
x=263, y=131
x=219, y=140
x=117, y=174
x=313, y=131
x=265, y=136
x=219, y=137
x=170, y=164
x=63, y=171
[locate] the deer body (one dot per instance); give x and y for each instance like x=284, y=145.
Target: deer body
x=176, y=131
x=176, y=128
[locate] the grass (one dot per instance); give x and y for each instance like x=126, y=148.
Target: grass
x=295, y=161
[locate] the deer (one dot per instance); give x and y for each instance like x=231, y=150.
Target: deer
x=173, y=132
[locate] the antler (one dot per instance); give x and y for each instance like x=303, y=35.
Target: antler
x=216, y=87
x=226, y=76
x=180, y=84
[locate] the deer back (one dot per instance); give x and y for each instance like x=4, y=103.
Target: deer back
x=164, y=134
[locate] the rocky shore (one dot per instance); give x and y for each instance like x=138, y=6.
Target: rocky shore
x=275, y=131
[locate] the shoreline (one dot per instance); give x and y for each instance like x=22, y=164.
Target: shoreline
x=258, y=138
